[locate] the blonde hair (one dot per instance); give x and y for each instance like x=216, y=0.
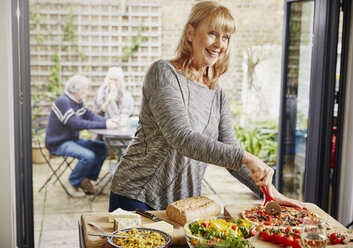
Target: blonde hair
x=220, y=18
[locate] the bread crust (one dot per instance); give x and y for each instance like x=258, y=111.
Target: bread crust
x=185, y=210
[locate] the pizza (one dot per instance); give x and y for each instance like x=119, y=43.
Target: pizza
x=289, y=216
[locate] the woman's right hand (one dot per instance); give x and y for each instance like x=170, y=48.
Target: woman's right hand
x=261, y=173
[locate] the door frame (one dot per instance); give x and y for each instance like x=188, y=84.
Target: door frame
x=341, y=98
x=282, y=111
x=22, y=123
x=321, y=102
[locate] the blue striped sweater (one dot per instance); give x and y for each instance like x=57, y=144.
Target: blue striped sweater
x=67, y=118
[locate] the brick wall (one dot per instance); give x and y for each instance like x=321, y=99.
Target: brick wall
x=259, y=24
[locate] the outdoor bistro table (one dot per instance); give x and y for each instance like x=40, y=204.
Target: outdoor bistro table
x=116, y=139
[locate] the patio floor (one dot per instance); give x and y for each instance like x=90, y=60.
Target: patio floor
x=56, y=214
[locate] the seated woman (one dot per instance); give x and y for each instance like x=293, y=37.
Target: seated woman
x=112, y=99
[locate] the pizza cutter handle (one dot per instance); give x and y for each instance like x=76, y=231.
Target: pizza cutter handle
x=267, y=195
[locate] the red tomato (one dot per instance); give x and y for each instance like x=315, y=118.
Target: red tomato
x=296, y=243
x=266, y=235
x=267, y=222
x=296, y=236
x=335, y=238
x=312, y=243
x=234, y=227
x=288, y=229
x=204, y=224
x=287, y=240
x=253, y=232
x=278, y=238
x=273, y=234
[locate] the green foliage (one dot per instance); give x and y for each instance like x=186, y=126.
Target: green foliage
x=35, y=17
x=56, y=87
x=80, y=53
x=128, y=51
x=69, y=28
x=261, y=142
x=36, y=100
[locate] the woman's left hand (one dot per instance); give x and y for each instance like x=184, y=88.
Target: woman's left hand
x=283, y=200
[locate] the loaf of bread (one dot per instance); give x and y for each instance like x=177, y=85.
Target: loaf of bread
x=191, y=208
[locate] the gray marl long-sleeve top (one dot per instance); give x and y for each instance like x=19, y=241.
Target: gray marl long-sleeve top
x=183, y=126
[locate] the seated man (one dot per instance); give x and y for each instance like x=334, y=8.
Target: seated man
x=68, y=116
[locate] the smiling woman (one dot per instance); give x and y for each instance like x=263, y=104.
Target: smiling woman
x=185, y=122
x=206, y=36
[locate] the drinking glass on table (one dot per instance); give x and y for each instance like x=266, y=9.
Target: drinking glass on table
x=313, y=233
x=124, y=118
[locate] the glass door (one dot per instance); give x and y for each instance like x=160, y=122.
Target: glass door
x=295, y=98
x=313, y=87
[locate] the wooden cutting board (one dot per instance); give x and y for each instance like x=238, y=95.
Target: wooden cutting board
x=101, y=219
x=235, y=211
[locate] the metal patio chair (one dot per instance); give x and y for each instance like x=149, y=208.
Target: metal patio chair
x=38, y=126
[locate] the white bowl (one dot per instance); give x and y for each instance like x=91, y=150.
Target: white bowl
x=195, y=240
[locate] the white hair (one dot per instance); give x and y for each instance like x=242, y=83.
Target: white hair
x=118, y=72
x=75, y=83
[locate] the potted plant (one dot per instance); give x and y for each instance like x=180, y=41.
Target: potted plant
x=259, y=141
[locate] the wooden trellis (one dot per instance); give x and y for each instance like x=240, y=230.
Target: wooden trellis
x=100, y=32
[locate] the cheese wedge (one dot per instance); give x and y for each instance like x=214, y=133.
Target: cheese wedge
x=123, y=223
x=120, y=213
x=160, y=225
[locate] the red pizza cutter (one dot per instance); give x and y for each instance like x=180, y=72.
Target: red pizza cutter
x=271, y=204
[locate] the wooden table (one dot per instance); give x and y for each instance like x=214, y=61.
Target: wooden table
x=234, y=211
x=101, y=219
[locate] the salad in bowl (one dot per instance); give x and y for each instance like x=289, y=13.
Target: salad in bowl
x=220, y=232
